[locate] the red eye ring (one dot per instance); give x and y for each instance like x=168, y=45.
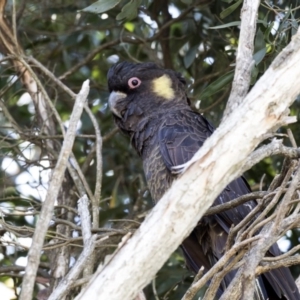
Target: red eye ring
x=134, y=82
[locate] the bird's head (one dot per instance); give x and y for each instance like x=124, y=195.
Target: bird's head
x=138, y=91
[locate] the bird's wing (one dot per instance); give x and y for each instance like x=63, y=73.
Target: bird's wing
x=180, y=137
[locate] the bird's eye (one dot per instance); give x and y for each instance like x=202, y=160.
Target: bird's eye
x=134, y=82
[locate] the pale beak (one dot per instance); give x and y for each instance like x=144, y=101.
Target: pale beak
x=114, y=97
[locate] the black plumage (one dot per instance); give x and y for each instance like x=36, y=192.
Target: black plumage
x=150, y=105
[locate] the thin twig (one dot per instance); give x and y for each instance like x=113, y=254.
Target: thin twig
x=286, y=262
x=234, y=203
x=279, y=257
x=274, y=148
x=97, y=193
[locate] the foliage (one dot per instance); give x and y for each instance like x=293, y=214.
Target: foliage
x=77, y=40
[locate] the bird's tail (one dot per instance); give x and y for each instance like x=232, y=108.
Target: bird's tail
x=274, y=285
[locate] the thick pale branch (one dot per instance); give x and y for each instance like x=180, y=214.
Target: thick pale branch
x=137, y=262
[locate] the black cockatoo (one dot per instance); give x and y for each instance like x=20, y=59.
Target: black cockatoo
x=150, y=105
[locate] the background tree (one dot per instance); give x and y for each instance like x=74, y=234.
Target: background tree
x=48, y=49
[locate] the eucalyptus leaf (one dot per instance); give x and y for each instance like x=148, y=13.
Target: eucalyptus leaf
x=231, y=24
x=264, y=22
x=259, y=55
x=190, y=56
x=259, y=42
x=129, y=11
x=254, y=73
x=260, y=47
x=235, y=23
x=217, y=85
x=101, y=6
x=226, y=12
x=294, y=27
x=294, y=24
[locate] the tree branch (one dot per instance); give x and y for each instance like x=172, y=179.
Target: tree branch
x=285, y=262
x=234, y=203
x=244, y=56
x=274, y=148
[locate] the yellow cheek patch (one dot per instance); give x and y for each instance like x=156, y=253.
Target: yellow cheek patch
x=162, y=87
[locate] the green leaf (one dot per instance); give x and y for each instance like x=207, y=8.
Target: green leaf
x=259, y=55
x=236, y=23
x=294, y=27
x=217, y=85
x=129, y=11
x=260, y=48
x=254, y=73
x=101, y=6
x=187, y=1
x=294, y=24
x=226, y=12
x=259, y=41
x=231, y=24
x=190, y=56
